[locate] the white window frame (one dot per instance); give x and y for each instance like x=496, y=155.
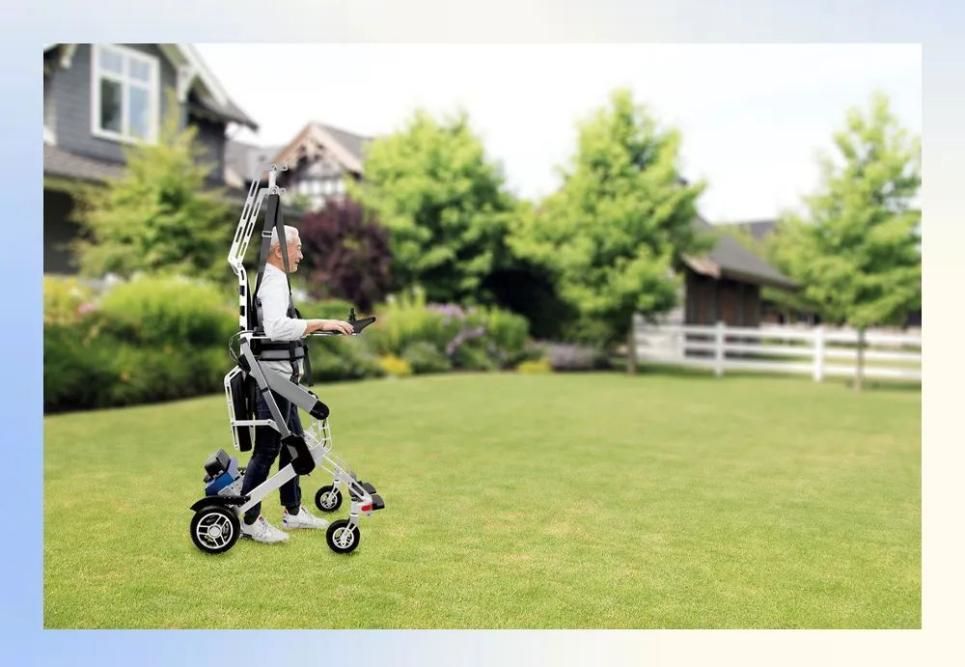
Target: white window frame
x=154, y=94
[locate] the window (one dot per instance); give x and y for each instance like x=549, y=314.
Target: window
x=125, y=100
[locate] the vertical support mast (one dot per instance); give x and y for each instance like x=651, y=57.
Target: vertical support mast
x=246, y=225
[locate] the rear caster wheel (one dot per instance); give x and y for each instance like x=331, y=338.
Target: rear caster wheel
x=328, y=498
x=342, y=539
x=215, y=529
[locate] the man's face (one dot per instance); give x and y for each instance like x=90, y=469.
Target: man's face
x=294, y=254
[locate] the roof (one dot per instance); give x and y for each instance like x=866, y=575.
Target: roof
x=353, y=143
x=344, y=147
x=729, y=259
x=244, y=161
x=58, y=162
x=209, y=96
x=757, y=228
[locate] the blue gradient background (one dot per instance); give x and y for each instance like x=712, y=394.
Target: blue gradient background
x=938, y=26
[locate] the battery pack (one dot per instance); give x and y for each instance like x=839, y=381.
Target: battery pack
x=230, y=474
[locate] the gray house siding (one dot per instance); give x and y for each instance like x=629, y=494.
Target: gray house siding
x=70, y=97
x=211, y=139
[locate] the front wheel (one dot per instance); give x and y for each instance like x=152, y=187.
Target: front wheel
x=328, y=498
x=215, y=529
x=341, y=538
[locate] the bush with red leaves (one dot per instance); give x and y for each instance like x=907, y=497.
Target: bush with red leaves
x=346, y=253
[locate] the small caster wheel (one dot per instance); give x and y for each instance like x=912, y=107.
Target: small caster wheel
x=342, y=539
x=215, y=529
x=328, y=498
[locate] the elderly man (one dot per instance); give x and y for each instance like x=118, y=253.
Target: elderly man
x=280, y=325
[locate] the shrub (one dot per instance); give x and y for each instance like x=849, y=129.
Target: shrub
x=405, y=319
x=505, y=334
x=337, y=358
x=346, y=254
x=424, y=357
x=534, y=367
x=171, y=310
x=328, y=309
x=78, y=371
x=65, y=300
x=395, y=366
x=101, y=371
x=473, y=358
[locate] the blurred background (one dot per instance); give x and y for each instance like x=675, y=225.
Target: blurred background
x=500, y=208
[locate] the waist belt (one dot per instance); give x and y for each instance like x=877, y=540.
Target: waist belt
x=276, y=351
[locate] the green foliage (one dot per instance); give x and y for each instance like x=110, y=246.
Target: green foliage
x=327, y=309
x=615, y=230
x=78, y=369
x=86, y=368
x=534, y=367
x=857, y=251
x=424, y=357
x=157, y=217
x=395, y=366
x=336, y=358
x=473, y=357
x=149, y=374
x=443, y=204
x=168, y=311
x=65, y=299
x=406, y=319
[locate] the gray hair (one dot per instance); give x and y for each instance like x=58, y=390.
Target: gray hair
x=291, y=235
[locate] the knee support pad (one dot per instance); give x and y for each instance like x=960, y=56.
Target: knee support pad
x=302, y=461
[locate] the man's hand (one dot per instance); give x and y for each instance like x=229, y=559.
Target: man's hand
x=337, y=326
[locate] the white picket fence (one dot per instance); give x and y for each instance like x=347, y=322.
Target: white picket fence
x=816, y=351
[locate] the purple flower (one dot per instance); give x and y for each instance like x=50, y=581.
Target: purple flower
x=449, y=311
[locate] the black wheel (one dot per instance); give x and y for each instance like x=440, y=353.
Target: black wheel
x=215, y=529
x=342, y=539
x=328, y=498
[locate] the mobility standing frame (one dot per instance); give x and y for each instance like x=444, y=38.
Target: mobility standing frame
x=216, y=524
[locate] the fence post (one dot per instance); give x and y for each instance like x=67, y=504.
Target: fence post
x=818, y=373
x=719, y=349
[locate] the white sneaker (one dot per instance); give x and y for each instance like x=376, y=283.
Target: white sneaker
x=302, y=520
x=262, y=531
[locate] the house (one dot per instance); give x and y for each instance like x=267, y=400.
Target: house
x=99, y=98
x=320, y=160
x=725, y=284
x=775, y=313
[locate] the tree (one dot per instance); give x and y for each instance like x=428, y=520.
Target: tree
x=615, y=230
x=443, y=204
x=157, y=217
x=857, y=250
x=347, y=256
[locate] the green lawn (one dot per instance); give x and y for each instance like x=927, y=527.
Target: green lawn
x=554, y=501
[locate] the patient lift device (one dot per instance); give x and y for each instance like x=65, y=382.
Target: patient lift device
x=216, y=524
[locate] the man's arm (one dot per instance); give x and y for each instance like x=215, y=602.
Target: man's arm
x=278, y=326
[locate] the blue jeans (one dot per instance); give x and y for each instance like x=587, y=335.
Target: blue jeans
x=267, y=447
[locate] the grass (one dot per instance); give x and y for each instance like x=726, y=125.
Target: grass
x=556, y=501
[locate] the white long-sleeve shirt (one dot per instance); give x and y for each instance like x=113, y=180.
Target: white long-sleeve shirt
x=274, y=296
